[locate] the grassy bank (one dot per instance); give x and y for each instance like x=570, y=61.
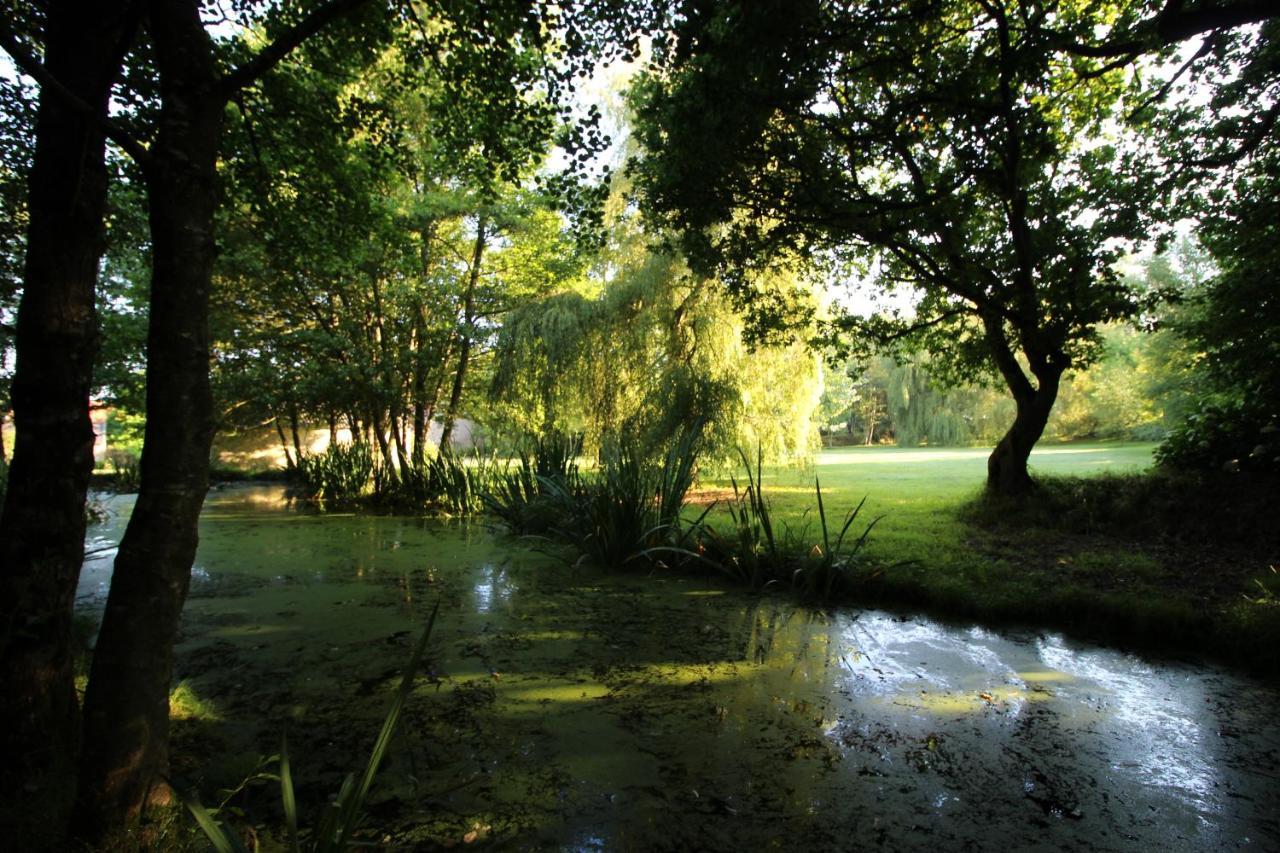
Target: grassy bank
x=1154, y=563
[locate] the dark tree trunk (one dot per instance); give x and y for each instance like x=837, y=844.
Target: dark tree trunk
x=1007, y=465
x=43, y=521
x=421, y=417
x=284, y=445
x=464, y=336
x=126, y=731
x=418, y=388
x=125, y=747
x=333, y=428
x=293, y=431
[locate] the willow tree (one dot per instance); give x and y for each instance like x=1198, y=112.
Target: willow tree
x=645, y=353
x=937, y=144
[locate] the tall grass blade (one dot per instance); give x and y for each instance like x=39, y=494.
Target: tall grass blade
x=352, y=805
x=287, y=795
x=222, y=840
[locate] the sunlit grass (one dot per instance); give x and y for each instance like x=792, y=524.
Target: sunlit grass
x=186, y=704
x=935, y=556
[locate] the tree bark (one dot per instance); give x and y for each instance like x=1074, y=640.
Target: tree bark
x=126, y=731
x=284, y=445
x=293, y=431
x=421, y=417
x=464, y=336
x=126, y=726
x=43, y=522
x=1007, y=465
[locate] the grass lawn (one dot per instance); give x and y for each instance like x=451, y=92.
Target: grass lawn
x=1158, y=592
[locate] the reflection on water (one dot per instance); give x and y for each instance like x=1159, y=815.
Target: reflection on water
x=569, y=708
x=492, y=588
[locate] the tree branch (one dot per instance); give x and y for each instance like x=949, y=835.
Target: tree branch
x=1170, y=25
x=1174, y=24
x=284, y=44
x=1247, y=146
x=34, y=68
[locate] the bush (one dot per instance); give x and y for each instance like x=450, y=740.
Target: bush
x=756, y=553
x=1225, y=434
x=631, y=509
x=631, y=512
x=1227, y=509
x=339, y=475
x=126, y=477
x=530, y=499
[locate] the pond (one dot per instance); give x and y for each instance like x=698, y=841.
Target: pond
x=562, y=707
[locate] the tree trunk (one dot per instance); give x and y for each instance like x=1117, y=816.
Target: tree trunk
x=125, y=746
x=421, y=418
x=1007, y=465
x=464, y=337
x=42, y=524
x=284, y=445
x=293, y=431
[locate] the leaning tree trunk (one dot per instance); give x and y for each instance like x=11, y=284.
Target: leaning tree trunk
x=1007, y=465
x=43, y=521
x=464, y=337
x=125, y=749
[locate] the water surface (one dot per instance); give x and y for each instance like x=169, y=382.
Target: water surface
x=567, y=708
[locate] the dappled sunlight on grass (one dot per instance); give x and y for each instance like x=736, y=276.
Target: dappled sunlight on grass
x=186, y=704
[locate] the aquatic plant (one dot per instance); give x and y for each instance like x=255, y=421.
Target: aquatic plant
x=822, y=571
x=342, y=816
x=339, y=475
x=630, y=509
x=126, y=470
x=530, y=499
x=758, y=553
x=457, y=482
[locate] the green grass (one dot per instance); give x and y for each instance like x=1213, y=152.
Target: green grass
x=1118, y=583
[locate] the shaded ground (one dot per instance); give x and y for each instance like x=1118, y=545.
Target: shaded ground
x=563, y=708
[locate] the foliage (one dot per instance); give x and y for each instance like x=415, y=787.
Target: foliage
x=760, y=553
x=1227, y=434
x=458, y=482
x=1233, y=325
x=942, y=148
x=125, y=430
x=631, y=509
x=126, y=470
x=527, y=500
x=4, y=479
x=653, y=349
x=343, y=815
x=339, y=475
x=633, y=512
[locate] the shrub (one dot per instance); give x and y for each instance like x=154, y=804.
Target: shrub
x=531, y=499
x=758, y=554
x=1226, y=434
x=126, y=470
x=339, y=475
